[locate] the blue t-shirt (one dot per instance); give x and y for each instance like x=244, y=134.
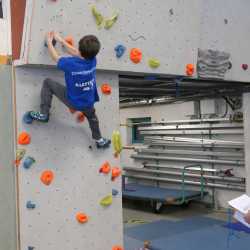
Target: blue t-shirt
x=80, y=77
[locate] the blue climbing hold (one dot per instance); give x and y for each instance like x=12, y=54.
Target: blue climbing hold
x=120, y=50
x=31, y=248
x=27, y=118
x=115, y=192
x=28, y=162
x=30, y=205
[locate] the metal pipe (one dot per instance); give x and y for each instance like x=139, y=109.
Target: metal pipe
x=218, y=178
x=189, y=152
x=152, y=157
x=221, y=186
x=194, y=132
x=191, y=145
x=190, y=127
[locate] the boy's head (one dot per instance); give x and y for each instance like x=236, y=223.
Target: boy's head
x=89, y=46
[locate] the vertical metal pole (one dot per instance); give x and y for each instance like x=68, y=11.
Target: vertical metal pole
x=246, y=118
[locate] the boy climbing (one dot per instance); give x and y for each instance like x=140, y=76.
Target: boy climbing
x=80, y=92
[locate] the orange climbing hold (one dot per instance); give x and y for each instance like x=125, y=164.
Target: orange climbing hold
x=189, y=69
x=69, y=40
x=80, y=117
x=105, y=168
x=135, y=55
x=82, y=218
x=106, y=89
x=116, y=172
x=47, y=177
x=24, y=138
x=117, y=248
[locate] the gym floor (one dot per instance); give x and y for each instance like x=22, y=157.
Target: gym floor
x=178, y=228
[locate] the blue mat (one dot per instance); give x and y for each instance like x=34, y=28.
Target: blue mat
x=166, y=229
x=143, y=192
x=211, y=238
x=132, y=244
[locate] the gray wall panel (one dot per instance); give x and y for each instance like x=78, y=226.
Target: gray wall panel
x=8, y=239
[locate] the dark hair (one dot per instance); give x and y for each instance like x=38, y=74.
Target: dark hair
x=89, y=46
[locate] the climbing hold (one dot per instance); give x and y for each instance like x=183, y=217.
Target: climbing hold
x=116, y=172
x=27, y=118
x=106, y=89
x=171, y=12
x=80, y=117
x=69, y=40
x=109, y=22
x=72, y=111
x=189, y=69
x=115, y=192
x=117, y=248
x=97, y=15
x=154, y=63
x=230, y=65
x=19, y=156
x=53, y=42
x=105, y=168
x=82, y=218
x=30, y=205
x=24, y=138
x=135, y=55
x=28, y=162
x=47, y=177
x=117, y=142
x=106, y=201
x=245, y=66
x=31, y=248
x=120, y=50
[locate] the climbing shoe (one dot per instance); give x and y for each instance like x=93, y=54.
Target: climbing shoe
x=103, y=143
x=38, y=116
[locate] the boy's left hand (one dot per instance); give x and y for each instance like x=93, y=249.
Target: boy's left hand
x=50, y=37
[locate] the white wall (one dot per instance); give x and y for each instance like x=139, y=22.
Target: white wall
x=172, y=112
x=5, y=29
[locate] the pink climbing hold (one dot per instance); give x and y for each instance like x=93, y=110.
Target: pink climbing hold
x=245, y=66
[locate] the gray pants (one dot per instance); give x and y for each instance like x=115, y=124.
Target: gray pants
x=51, y=88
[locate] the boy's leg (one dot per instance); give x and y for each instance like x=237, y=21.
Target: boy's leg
x=93, y=123
x=49, y=89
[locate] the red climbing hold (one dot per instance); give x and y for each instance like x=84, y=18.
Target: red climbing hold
x=189, y=69
x=117, y=248
x=80, y=117
x=69, y=40
x=116, y=172
x=24, y=138
x=82, y=218
x=245, y=66
x=135, y=55
x=105, y=168
x=106, y=89
x=47, y=177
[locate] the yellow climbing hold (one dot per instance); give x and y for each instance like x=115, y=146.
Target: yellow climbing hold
x=109, y=22
x=117, y=142
x=106, y=201
x=97, y=15
x=154, y=63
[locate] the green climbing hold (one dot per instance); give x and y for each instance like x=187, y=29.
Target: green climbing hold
x=106, y=201
x=97, y=15
x=154, y=63
x=109, y=22
x=20, y=154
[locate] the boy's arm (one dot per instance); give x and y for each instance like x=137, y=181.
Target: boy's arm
x=70, y=49
x=53, y=53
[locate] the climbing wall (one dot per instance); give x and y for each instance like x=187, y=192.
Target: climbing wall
x=224, y=27
x=65, y=147
x=7, y=171
x=164, y=30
